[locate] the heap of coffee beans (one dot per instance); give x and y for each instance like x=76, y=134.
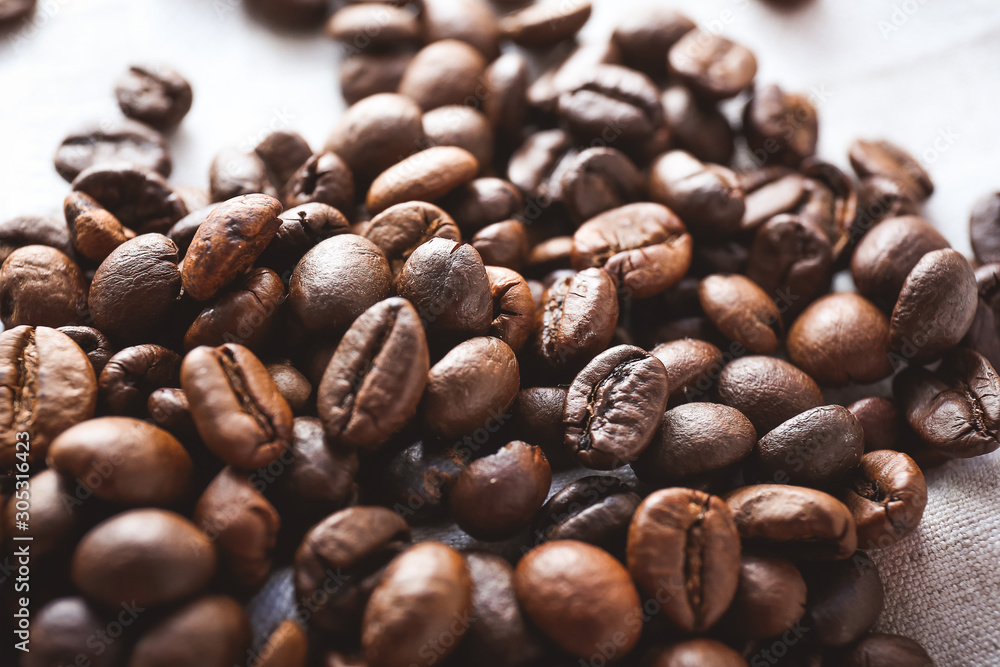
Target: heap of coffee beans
x=485, y=276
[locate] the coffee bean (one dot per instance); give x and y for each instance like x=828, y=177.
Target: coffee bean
x=282, y=153
x=537, y=415
x=597, y=180
x=170, y=410
x=41, y=286
x=880, y=421
x=136, y=289
x=614, y=407
x=48, y=386
x=881, y=158
x=293, y=385
x=324, y=178
x=841, y=338
x=140, y=199
x=55, y=523
x=356, y=544
x=470, y=21
x=374, y=380
x=132, y=374
x=799, y=523
x=302, y=227
x=461, y=126
x=472, y=386
x=239, y=412
x=245, y=313
x=287, y=646
x=425, y=176
x=696, y=652
x=213, y=631
x=365, y=74
x=771, y=598
x=707, y=197
x=417, y=475
x=577, y=319
x=290, y=14
x=644, y=247
x=594, y=509
x=15, y=10
x=401, y=229
x=182, y=232
x=60, y=631
x=881, y=198
x=742, y=311
x=235, y=172
x=792, y=259
x=781, y=126
x=513, y=307
x=844, y=599
x=984, y=228
x=936, y=307
x=815, y=448
x=502, y=244
x=831, y=202
x=376, y=133
x=533, y=166
x=888, y=253
x=984, y=334
x=711, y=65
x=157, y=96
x=887, y=495
x=645, y=37
x=545, y=24
x=34, y=230
x=954, y=410
x=543, y=94
x=610, y=100
x=424, y=590
x=550, y=255
x=482, y=202
x=373, y=26
x=771, y=191
x=767, y=390
x=695, y=440
x=697, y=126
x=443, y=72
x=604, y=609
x=94, y=231
x=93, y=343
x=115, y=141
x=505, y=105
x=143, y=557
x=882, y=650
x=692, y=366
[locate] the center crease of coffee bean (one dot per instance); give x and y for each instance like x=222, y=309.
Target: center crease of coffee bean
x=238, y=383
x=24, y=389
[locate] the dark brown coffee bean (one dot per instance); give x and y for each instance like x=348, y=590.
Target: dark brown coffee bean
x=93, y=230
x=844, y=599
x=513, y=307
x=537, y=414
x=644, y=247
x=424, y=176
x=182, y=232
x=287, y=646
x=614, y=407
x=134, y=373
x=799, y=523
x=418, y=475
x=34, y=230
x=302, y=228
x=135, y=290
x=767, y=390
x=113, y=141
x=831, y=202
x=476, y=382
x=170, y=410
x=93, y=343
x=692, y=366
x=244, y=314
x=373, y=25
x=235, y=172
x=376, y=133
x=55, y=525
x=544, y=92
x=815, y=448
x=742, y=311
x=984, y=334
x=604, y=609
x=443, y=72
x=290, y=14
x=157, y=96
x=770, y=191
x=61, y=630
x=577, y=319
x=292, y=384
x=697, y=126
x=239, y=412
x=533, y=166
x=338, y=280
x=244, y=527
x=881, y=158
x=791, y=259
x=881, y=198
x=365, y=74
x=324, y=178
x=505, y=105
x=502, y=244
x=595, y=509
x=470, y=21
x=545, y=24
x=645, y=37
x=282, y=153
x=143, y=557
x=695, y=440
x=955, y=410
x=612, y=101
x=984, y=228
x=140, y=199
x=707, y=197
x=711, y=65
x=683, y=546
x=692, y=652
x=771, y=598
x=597, y=180
x=41, y=286
x=483, y=202
x=401, y=229
x=880, y=421
x=213, y=631
x=881, y=650
x=354, y=544
x=461, y=126
x=887, y=495
x=781, y=126
x=936, y=307
x=550, y=255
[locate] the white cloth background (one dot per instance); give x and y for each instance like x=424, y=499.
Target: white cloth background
x=924, y=73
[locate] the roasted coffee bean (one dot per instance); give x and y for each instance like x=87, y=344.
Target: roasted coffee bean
x=815, y=448
x=115, y=141
x=143, y=557
x=470, y=21
x=544, y=24
x=282, y=153
x=424, y=176
x=844, y=599
x=544, y=92
x=955, y=410
x=235, y=172
x=695, y=652
x=60, y=633
x=644, y=247
x=319, y=480
x=936, y=307
x=135, y=290
x=604, y=608
x=48, y=386
x=692, y=366
x=290, y=14
x=34, y=230
x=376, y=133
x=134, y=373
x=771, y=598
x=418, y=475
x=645, y=37
x=513, y=307
x=239, y=412
x=550, y=255
x=711, y=65
x=799, y=523
x=767, y=390
x=984, y=334
x=157, y=96
x=182, y=232
x=292, y=384
x=597, y=180
x=365, y=74
x=792, y=259
x=55, y=523
x=683, y=545
x=887, y=495
x=375, y=379
x=881, y=158
x=401, y=229
x=537, y=415
x=324, y=178
x=358, y=543
x=534, y=165
x=594, y=509
x=302, y=228
x=708, y=197
x=770, y=191
x=93, y=230
x=482, y=202
x=41, y=286
x=244, y=314
x=473, y=385
x=881, y=198
x=462, y=126
x=614, y=407
x=610, y=96
x=287, y=646
x=140, y=199
x=505, y=105
x=697, y=126
x=880, y=421
x=841, y=338
x=447, y=283
x=170, y=410
x=831, y=202
x=881, y=650
x=338, y=280
x=244, y=527
x=781, y=126
x=695, y=440
x=742, y=311
x=577, y=319
x=502, y=244
x=373, y=26
x=212, y=631
x=496, y=496
x=443, y=72
x=984, y=228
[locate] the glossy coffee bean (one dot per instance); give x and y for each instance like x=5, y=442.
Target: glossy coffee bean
x=93, y=343
x=791, y=259
x=302, y=227
x=841, y=338
x=544, y=92
x=887, y=254
x=533, y=166
x=770, y=191
x=984, y=335
x=614, y=99
x=880, y=420
x=171, y=411
x=358, y=543
x=505, y=106
x=844, y=599
x=711, y=65
x=644, y=247
x=424, y=590
x=425, y=176
x=596, y=509
x=672, y=529
x=292, y=384
x=645, y=37
x=692, y=366
x=513, y=307
x=496, y=496
x=783, y=125
x=48, y=386
x=814, y=448
x=375, y=379
x=694, y=652
x=373, y=26
x=537, y=415
x=401, y=229
x=544, y=24
x=34, y=230
x=140, y=199
x=117, y=141
x=317, y=476
x=577, y=319
x=767, y=390
x=324, y=178
x=796, y=522
x=41, y=286
x=697, y=126
x=287, y=646
x=365, y=74
x=984, y=228
x=597, y=180
x=239, y=412
x=484, y=201
x=338, y=280
x=707, y=197
x=477, y=381
x=282, y=153
x=442, y=73
x=376, y=133
x=213, y=631
x=235, y=172
x=461, y=126
x=93, y=230
x=157, y=96
x=470, y=21
x=771, y=598
x=143, y=557
x=887, y=495
x=882, y=650
x=742, y=311
x=502, y=244
x=881, y=158
x=60, y=631
x=243, y=314
x=134, y=373
x=243, y=525
x=694, y=440
x=881, y=198
x=604, y=609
